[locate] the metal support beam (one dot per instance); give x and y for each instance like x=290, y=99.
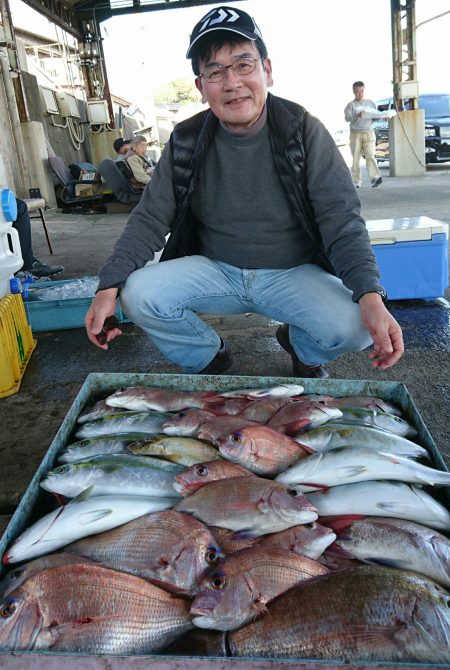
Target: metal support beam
x=59, y=13
x=404, y=59
x=104, y=11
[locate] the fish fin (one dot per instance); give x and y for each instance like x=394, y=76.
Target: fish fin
x=336, y=550
x=95, y=515
x=169, y=586
x=245, y=534
x=84, y=495
x=259, y=605
x=388, y=562
x=374, y=636
x=296, y=426
x=54, y=633
x=349, y=471
x=253, y=449
x=340, y=523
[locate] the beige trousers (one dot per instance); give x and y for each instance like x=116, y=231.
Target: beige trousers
x=363, y=144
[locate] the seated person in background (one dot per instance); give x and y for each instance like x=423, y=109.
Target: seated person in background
x=141, y=168
x=121, y=147
x=31, y=265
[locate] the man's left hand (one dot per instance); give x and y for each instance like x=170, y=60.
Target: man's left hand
x=384, y=330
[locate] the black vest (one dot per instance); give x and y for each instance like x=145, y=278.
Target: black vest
x=189, y=144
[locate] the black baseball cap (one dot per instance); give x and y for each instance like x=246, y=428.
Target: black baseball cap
x=118, y=144
x=224, y=18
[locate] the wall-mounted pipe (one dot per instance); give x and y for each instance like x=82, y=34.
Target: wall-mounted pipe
x=15, y=124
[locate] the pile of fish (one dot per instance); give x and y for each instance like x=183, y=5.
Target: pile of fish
x=255, y=522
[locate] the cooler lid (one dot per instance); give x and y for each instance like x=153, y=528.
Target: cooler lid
x=407, y=229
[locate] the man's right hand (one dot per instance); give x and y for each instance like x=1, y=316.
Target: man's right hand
x=103, y=305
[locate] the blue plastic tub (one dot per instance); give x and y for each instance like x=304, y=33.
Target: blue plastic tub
x=59, y=314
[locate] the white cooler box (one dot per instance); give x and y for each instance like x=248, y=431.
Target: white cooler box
x=412, y=254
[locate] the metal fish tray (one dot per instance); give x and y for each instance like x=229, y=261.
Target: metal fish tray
x=99, y=385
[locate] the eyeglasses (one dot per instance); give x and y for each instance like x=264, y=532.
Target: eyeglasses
x=242, y=66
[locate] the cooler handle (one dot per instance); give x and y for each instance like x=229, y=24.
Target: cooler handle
x=384, y=240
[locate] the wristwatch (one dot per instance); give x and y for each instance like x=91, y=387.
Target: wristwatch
x=381, y=292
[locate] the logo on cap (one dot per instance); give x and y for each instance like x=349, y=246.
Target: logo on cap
x=228, y=16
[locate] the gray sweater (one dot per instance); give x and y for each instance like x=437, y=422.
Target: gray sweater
x=360, y=124
x=244, y=216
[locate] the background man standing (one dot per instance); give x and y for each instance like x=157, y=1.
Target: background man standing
x=362, y=136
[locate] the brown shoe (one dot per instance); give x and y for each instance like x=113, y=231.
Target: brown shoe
x=300, y=369
x=221, y=362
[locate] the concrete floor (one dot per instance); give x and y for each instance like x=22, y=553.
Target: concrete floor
x=62, y=359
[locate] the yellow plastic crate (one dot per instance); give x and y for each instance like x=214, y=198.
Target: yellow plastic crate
x=16, y=343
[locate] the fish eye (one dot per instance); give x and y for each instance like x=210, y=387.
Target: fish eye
x=236, y=437
x=218, y=582
x=17, y=573
x=293, y=492
x=7, y=608
x=201, y=470
x=61, y=470
x=310, y=526
x=212, y=555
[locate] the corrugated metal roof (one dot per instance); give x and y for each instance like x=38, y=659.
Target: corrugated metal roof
x=70, y=14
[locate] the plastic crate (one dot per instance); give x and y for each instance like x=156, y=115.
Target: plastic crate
x=99, y=385
x=59, y=314
x=16, y=343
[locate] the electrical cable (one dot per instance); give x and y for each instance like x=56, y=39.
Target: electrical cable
x=408, y=138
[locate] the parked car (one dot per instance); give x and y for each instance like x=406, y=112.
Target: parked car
x=437, y=127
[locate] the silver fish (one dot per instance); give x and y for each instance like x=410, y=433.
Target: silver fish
x=331, y=435
x=368, y=402
x=282, y=390
x=94, y=446
x=372, y=417
x=107, y=474
x=379, y=498
x=81, y=517
x=126, y=422
x=143, y=399
x=347, y=465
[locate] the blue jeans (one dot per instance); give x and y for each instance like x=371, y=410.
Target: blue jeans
x=164, y=299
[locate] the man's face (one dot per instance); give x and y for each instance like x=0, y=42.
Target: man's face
x=359, y=92
x=141, y=148
x=237, y=100
x=123, y=149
